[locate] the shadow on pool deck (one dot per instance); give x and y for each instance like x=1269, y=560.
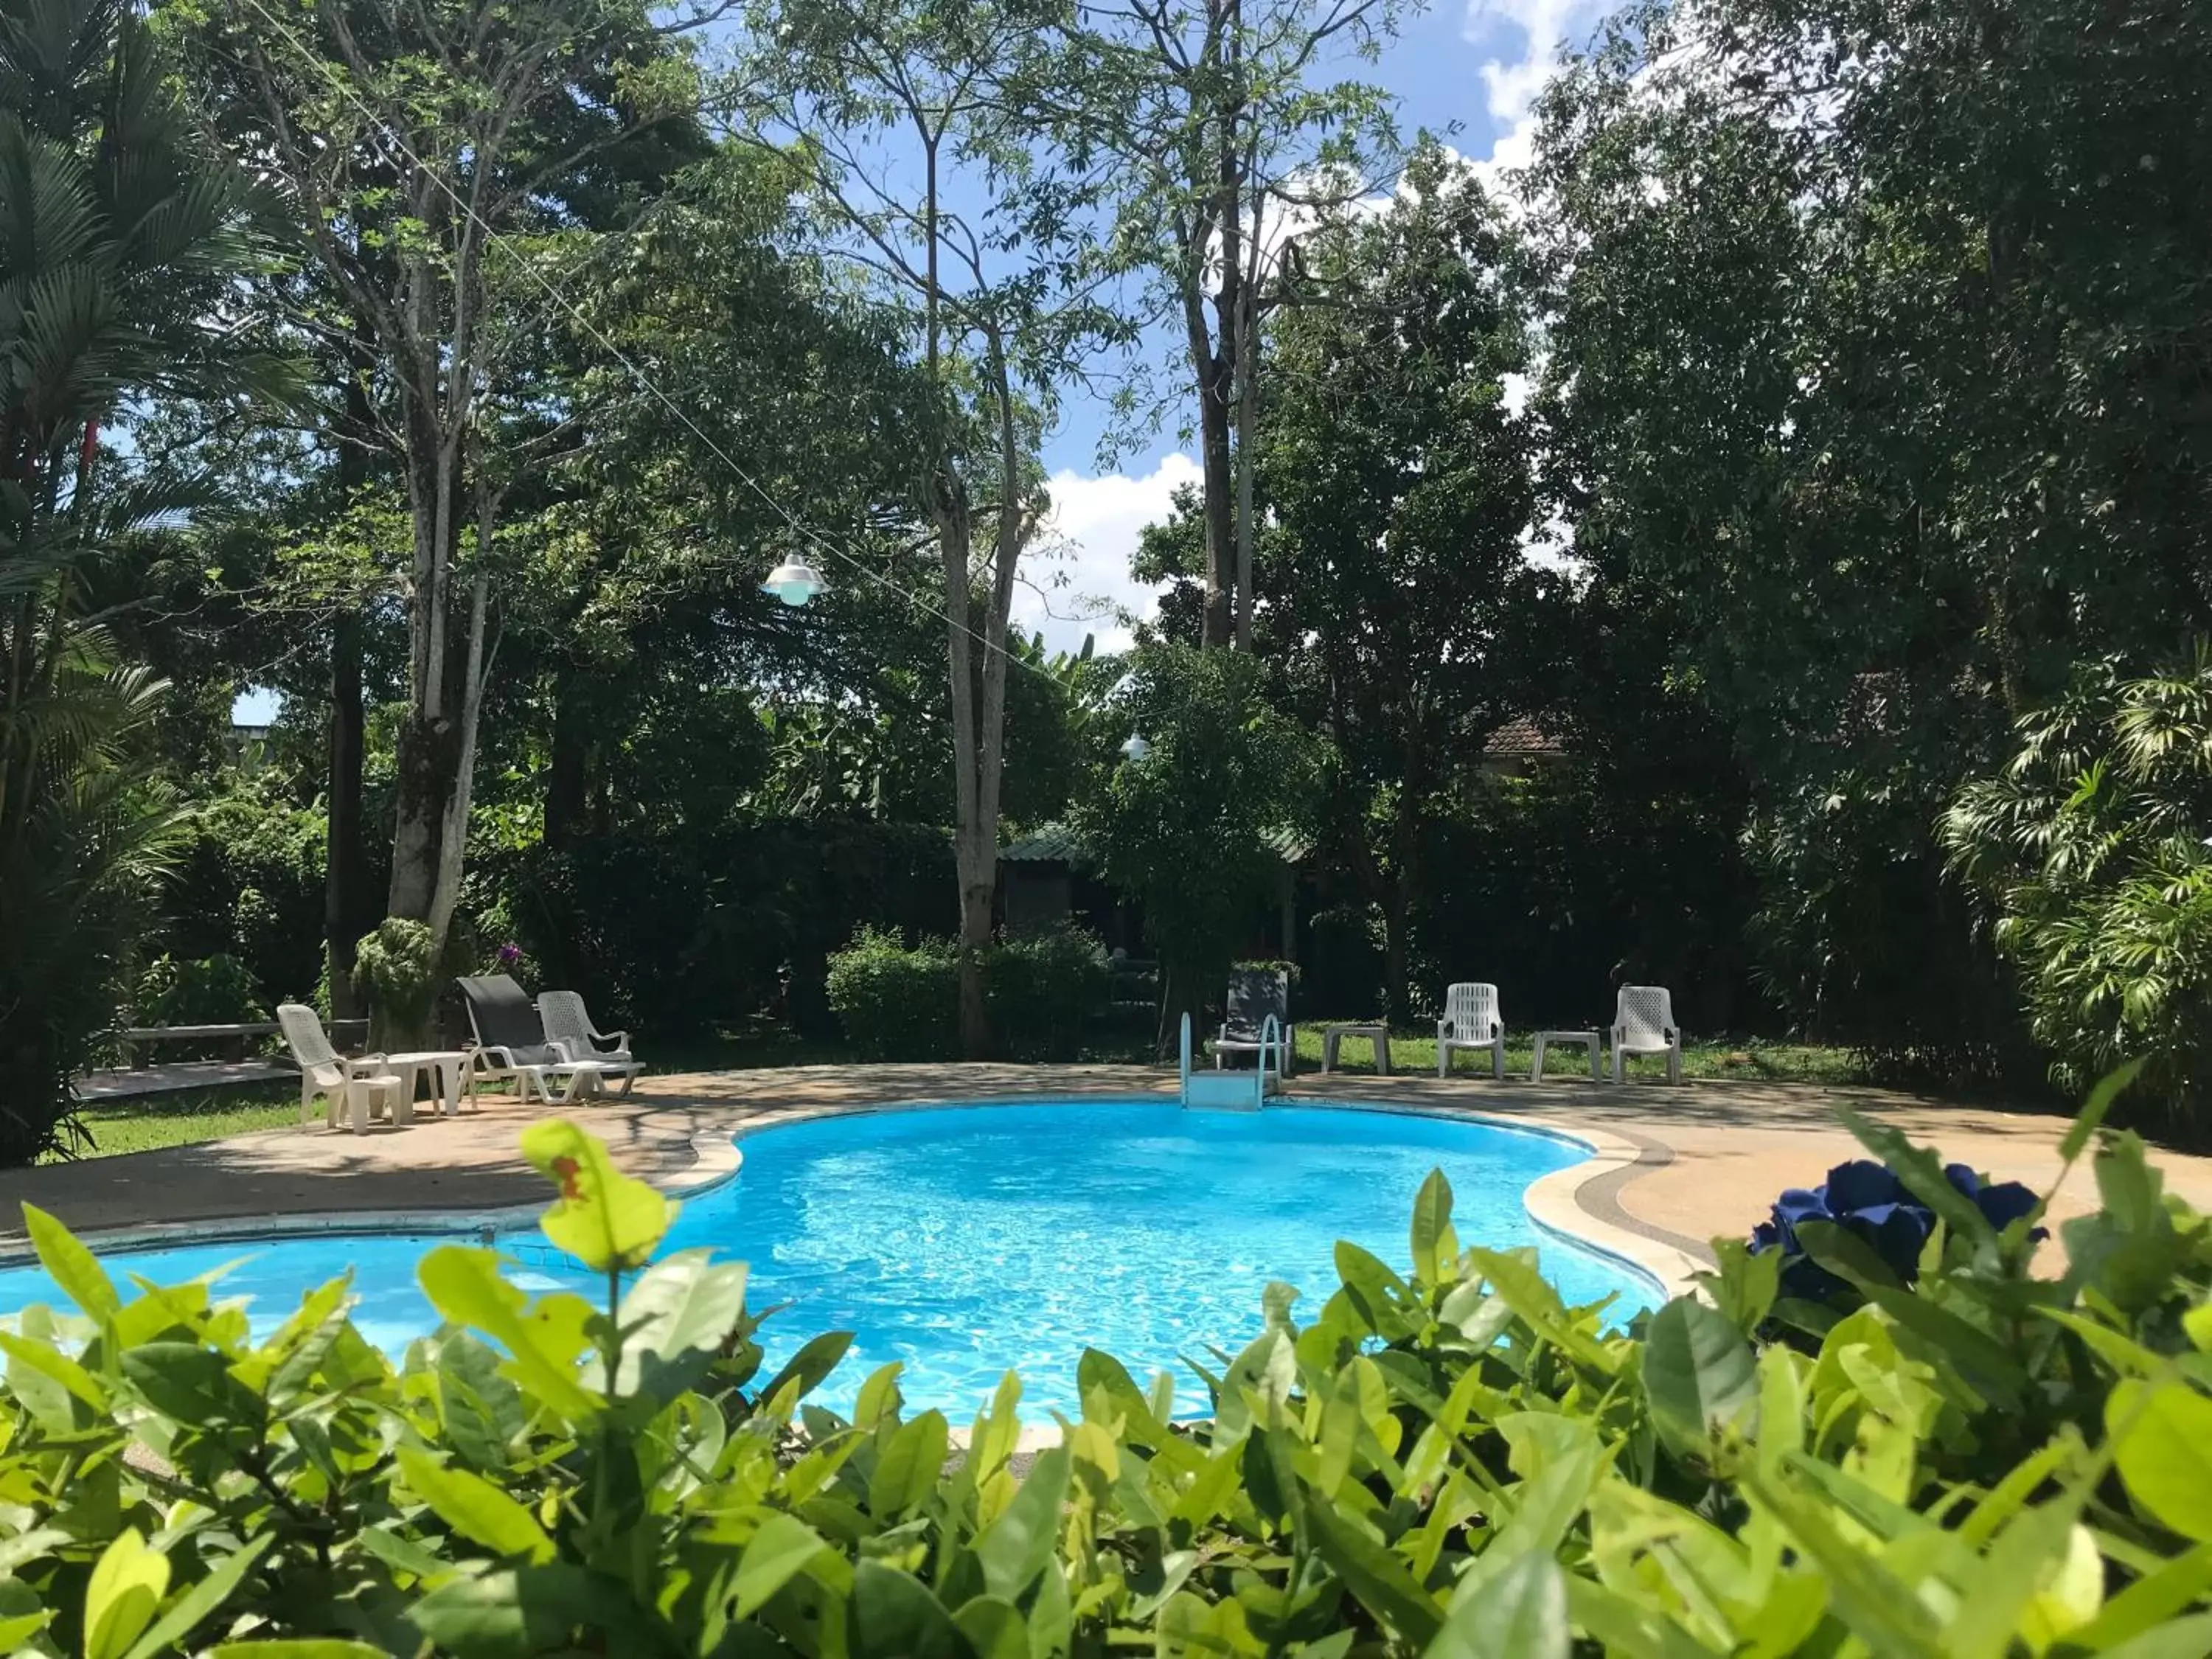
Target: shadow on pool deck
x=1716, y=1151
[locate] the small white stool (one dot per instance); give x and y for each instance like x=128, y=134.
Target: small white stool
x=1591, y=1040
x=361, y=1094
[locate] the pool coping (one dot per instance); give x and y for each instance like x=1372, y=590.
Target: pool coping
x=1560, y=1203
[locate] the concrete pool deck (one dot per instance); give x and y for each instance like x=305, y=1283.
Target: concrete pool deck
x=1675, y=1166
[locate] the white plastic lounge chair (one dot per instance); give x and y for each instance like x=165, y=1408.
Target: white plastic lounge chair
x=568, y=1028
x=511, y=1044
x=1644, y=1023
x=1471, y=1020
x=1255, y=993
x=357, y=1088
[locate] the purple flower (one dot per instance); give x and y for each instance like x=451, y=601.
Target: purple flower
x=1868, y=1200
x=509, y=954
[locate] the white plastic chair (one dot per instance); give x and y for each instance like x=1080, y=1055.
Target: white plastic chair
x=357, y=1086
x=1472, y=1020
x=568, y=1028
x=1644, y=1023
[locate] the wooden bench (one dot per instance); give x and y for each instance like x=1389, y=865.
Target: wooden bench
x=137, y=1039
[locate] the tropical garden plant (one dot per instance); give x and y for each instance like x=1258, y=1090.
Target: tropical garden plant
x=121, y=236
x=1447, y=1461
x=2091, y=852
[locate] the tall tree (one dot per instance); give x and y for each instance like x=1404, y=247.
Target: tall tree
x=1225, y=144
x=419, y=145
x=916, y=126
x=1401, y=488
x=1878, y=358
x=120, y=237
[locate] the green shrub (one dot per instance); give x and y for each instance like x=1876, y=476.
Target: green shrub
x=399, y=965
x=217, y=990
x=896, y=1003
x=1446, y=1463
x=2088, y=853
x=1046, y=992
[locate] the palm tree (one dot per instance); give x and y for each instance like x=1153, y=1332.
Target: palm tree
x=121, y=240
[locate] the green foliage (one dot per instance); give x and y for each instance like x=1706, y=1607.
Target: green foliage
x=2090, y=850
x=248, y=883
x=676, y=929
x=216, y=990
x=1194, y=829
x=1893, y=443
x=1044, y=993
x=1400, y=606
x=1446, y=1462
x=897, y=1003
x=124, y=240
x=399, y=964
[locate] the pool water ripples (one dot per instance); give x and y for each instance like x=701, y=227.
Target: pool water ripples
x=965, y=1241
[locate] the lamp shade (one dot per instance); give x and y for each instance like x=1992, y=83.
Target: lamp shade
x=1136, y=749
x=794, y=581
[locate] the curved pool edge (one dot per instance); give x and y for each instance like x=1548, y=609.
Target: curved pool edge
x=1553, y=1202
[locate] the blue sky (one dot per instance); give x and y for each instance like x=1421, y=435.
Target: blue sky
x=1472, y=66
x=1467, y=70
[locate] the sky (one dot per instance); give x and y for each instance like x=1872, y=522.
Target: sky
x=1467, y=70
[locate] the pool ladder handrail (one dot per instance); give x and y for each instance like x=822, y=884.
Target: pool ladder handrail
x=1271, y=1040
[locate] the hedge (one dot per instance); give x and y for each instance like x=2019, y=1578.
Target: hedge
x=1449, y=1463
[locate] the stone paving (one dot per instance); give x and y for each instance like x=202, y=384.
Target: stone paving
x=1713, y=1153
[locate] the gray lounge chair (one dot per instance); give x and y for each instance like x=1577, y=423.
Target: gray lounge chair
x=511, y=1043
x=568, y=1028
x=1255, y=993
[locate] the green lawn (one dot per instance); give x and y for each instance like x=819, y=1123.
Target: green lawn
x=1749, y=1059
x=152, y=1121
x=177, y=1120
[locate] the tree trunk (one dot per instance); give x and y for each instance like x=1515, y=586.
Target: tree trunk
x=346, y=901
x=1218, y=467
x=565, y=776
x=345, y=897
x=1179, y=994
x=1247, y=396
x=429, y=747
x=975, y=875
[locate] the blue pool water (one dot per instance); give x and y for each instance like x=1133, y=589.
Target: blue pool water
x=967, y=1240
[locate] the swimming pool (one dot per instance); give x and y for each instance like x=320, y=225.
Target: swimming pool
x=967, y=1240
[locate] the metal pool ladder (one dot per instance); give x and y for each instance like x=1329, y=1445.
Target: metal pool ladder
x=1228, y=1091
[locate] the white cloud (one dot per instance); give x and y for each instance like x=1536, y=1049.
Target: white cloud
x=1529, y=38
x=1078, y=579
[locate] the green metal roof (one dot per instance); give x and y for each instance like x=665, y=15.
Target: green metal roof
x=1053, y=844
x=1056, y=844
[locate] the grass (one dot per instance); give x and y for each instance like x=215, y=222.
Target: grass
x=147, y=1122
x=1747, y=1061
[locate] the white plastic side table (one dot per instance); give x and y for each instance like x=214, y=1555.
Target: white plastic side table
x=1591, y=1040
x=445, y=1066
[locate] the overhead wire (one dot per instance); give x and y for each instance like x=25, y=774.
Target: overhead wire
x=496, y=238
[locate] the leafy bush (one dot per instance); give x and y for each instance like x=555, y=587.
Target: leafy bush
x=1451, y=1462
x=2090, y=851
x=1045, y=991
x=896, y=1003
x=674, y=933
x=399, y=965
x=248, y=883
x=217, y=990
